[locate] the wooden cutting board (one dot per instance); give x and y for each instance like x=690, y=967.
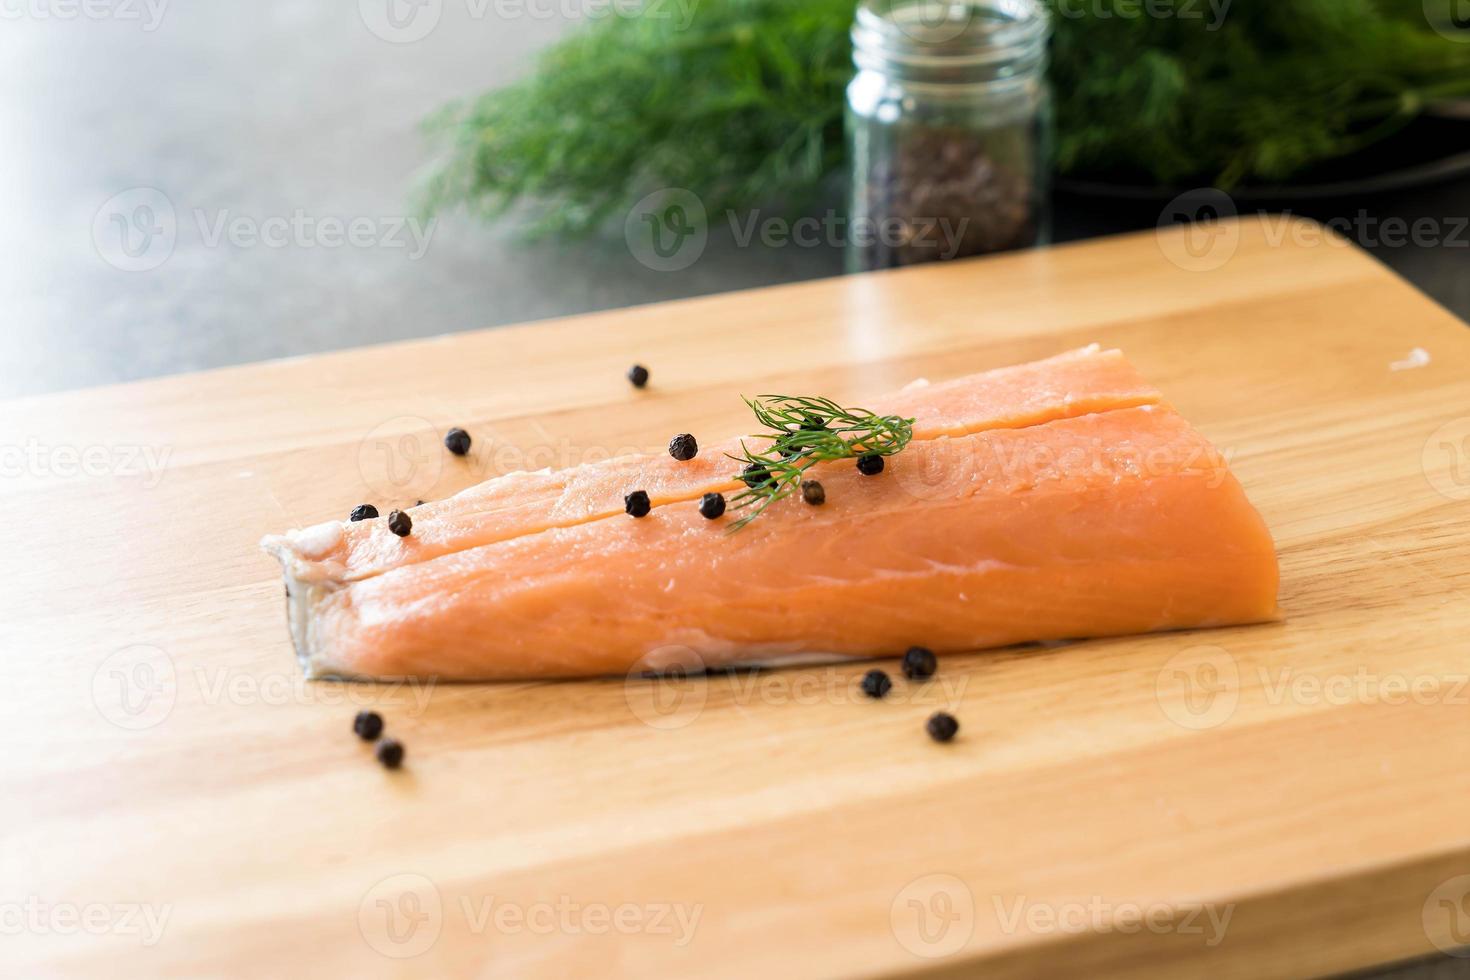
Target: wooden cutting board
x=1267, y=801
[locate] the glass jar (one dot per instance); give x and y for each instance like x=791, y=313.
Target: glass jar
x=948, y=130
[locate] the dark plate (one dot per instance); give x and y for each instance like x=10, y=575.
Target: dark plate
x=1429, y=150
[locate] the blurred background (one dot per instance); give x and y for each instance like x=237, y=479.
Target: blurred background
x=194, y=185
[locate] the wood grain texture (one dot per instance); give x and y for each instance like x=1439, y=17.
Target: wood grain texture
x=1309, y=779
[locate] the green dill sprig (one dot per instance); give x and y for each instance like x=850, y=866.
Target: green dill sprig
x=804, y=432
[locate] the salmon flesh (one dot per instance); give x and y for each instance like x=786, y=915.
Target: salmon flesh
x=1053, y=500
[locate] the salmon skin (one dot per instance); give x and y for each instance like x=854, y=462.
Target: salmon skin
x=1054, y=500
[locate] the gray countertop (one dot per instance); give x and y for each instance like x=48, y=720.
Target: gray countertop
x=240, y=133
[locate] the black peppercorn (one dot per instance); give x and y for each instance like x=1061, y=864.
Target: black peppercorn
x=919, y=663
x=754, y=475
x=457, y=441
x=368, y=725
x=363, y=512
x=941, y=726
x=637, y=503
x=813, y=492
x=811, y=423
x=400, y=523
x=712, y=505
x=390, y=753
x=638, y=374
x=683, y=447
x=870, y=465
x=876, y=684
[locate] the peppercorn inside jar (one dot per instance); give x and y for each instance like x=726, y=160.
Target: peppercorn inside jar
x=948, y=130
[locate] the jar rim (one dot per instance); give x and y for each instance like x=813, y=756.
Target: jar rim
x=993, y=39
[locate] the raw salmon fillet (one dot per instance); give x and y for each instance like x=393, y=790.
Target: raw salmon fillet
x=1074, y=383
x=1056, y=500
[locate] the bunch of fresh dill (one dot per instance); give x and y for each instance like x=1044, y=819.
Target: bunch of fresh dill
x=1258, y=93
x=740, y=101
